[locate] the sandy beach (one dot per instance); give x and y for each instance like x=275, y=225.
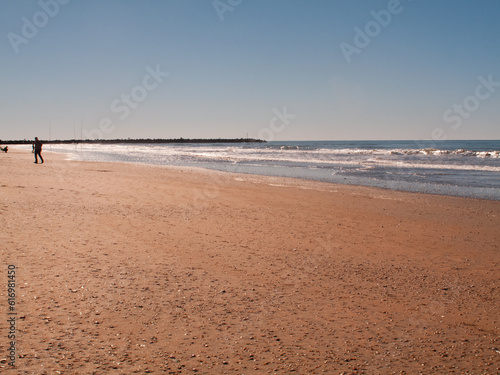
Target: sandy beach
x=135, y=269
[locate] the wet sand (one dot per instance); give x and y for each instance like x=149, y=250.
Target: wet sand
x=124, y=269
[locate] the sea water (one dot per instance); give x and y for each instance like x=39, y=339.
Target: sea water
x=460, y=168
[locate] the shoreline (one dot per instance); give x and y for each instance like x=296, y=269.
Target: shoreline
x=128, y=268
x=303, y=179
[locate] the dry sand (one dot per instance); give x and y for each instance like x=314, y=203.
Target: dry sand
x=126, y=269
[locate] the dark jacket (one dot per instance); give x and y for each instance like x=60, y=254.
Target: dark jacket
x=38, y=146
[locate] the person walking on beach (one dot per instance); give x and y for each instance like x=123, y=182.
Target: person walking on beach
x=38, y=150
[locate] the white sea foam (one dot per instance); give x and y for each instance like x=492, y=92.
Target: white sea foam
x=423, y=158
x=469, y=168
x=462, y=167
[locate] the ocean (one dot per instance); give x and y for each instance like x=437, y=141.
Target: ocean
x=458, y=168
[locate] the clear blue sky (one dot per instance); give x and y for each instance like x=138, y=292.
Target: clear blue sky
x=226, y=68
